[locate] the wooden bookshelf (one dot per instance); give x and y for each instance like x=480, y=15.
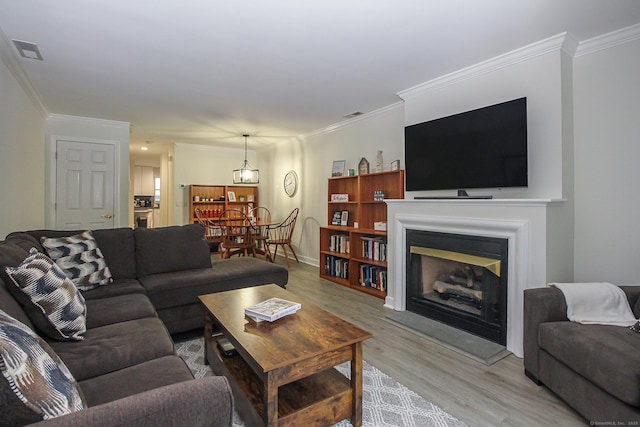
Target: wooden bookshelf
x=345, y=265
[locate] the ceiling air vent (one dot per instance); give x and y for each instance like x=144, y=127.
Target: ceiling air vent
x=27, y=49
x=352, y=115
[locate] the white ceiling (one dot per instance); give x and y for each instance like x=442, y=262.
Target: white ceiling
x=207, y=71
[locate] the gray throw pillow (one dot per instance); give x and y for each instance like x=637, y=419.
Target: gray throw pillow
x=50, y=299
x=35, y=382
x=80, y=258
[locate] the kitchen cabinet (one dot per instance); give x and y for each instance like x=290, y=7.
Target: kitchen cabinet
x=143, y=181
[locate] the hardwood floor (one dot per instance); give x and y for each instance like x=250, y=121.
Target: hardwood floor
x=480, y=395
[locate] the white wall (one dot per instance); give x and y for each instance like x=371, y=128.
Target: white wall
x=584, y=149
x=312, y=156
x=537, y=72
x=88, y=129
x=203, y=165
x=541, y=72
x=607, y=163
x=21, y=155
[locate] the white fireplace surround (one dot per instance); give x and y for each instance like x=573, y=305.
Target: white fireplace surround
x=525, y=224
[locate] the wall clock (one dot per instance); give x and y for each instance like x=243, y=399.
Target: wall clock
x=290, y=183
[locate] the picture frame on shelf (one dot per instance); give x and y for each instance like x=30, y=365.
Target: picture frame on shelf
x=250, y=197
x=344, y=218
x=395, y=165
x=338, y=168
x=337, y=217
x=231, y=196
x=363, y=166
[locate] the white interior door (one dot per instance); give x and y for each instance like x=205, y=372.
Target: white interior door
x=85, y=185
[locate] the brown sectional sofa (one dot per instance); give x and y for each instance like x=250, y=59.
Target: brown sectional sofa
x=126, y=367
x=593, y=368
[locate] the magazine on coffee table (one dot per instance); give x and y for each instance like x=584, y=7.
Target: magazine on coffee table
x=271, y=309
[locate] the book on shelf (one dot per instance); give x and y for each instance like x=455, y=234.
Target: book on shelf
x=374, y=248
x=337, y=267
x=339, y=243
x=271, y=309
x=372, y=276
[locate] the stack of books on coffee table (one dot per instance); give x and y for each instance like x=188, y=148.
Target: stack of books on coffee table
x=271, y=310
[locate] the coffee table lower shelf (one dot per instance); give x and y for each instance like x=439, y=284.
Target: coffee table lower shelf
x=323, y=398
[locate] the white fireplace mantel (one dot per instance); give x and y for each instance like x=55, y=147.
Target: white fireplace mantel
x=539, y=234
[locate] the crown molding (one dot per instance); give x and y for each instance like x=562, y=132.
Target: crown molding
x=10, y=60
x=90, y=120
x=609, y=40
x=563, y=41
x=350, y=122
x=215, y=148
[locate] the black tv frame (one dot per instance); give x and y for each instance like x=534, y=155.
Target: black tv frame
x=481, y=149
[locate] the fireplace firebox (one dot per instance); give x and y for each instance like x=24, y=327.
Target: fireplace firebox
x=460, y=280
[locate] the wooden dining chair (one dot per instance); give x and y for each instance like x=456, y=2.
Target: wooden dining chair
x=262, y=218
x=280, y=236
x=212, y=231
x=237, y=233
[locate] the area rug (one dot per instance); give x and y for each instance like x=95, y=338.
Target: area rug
x=470, y=345
x=385, y=402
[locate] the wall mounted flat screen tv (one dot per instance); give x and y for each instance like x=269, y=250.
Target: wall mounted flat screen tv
x=483, y=148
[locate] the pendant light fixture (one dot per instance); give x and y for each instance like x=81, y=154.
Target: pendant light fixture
x=246, y=174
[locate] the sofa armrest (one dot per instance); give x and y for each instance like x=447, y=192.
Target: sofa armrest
x=540, y=305
x=203, y=402
x=633, y=294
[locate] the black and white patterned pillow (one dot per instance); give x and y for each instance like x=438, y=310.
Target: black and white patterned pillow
x=33, y=374
x=51, y=300
x=80, y=258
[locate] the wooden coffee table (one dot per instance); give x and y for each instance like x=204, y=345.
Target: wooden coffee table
x=283, y=374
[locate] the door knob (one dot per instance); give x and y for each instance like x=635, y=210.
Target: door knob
x=107, y=216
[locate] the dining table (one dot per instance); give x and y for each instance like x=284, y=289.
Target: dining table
x=260, y=237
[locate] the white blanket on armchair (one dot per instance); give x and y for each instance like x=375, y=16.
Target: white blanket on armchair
x=596, y=303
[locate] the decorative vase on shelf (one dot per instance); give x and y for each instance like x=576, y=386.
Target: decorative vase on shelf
x=379, y=162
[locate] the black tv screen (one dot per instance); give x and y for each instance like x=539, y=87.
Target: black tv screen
x=483, y=148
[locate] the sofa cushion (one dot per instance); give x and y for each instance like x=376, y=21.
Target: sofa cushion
x=107, y=311
x=168, y=249
x=51, y=301
x=33, y=376
x=24, y=240
x=182, y=318
x=606, y=355
x=10, y=305
x=118, y=287
x=117, y=246
x=11, y=255
x=119, y=249
x=80, y=258
x=135, y=379
x=180, y=288
x=113, y=347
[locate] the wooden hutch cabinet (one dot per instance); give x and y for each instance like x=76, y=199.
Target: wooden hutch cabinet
x=213, y=199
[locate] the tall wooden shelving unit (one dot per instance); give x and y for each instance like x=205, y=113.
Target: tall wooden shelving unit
x=347, y=268
x=213, y=198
